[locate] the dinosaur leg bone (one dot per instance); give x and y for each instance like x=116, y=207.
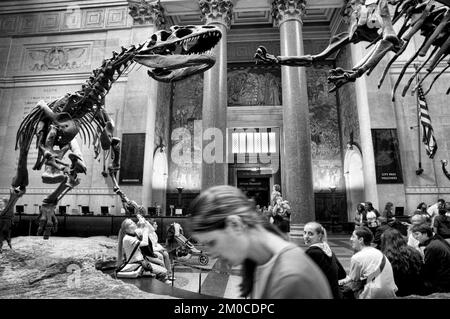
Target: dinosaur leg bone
x=20, y=180
x=47, y=220
x=6, y=215
x=5, y=231
x=338, y=77
x=336, y=42
x=262, y=56
x=18, y=188
x=114, y=167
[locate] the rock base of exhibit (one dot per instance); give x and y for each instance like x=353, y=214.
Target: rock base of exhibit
x=62, y=267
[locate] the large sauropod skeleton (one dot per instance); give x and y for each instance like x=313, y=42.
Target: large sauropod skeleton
x=371, y=21
x=170, y=55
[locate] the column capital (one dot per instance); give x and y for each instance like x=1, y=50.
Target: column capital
x=284, y=10
x=145, y=13
x=217, y=11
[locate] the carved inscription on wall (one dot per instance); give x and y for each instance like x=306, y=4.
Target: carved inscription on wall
x=59, y=57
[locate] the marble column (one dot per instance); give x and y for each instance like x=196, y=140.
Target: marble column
x=148, y=17
x=214, y=112
x=362, y=100
x=297, y=179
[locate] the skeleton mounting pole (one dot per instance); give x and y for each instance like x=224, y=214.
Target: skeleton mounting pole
x=420, y=169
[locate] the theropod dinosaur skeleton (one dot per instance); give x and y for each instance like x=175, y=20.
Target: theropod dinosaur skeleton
x=371, y=21
x=170, y=55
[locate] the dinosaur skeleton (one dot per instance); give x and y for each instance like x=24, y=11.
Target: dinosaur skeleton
x=371, y=21
x=170, y=55
x=444, y=169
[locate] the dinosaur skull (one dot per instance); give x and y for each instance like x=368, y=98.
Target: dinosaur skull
x=176, y=54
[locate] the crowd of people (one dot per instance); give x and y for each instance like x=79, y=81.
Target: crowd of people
x=413, y=257
x=391, y=258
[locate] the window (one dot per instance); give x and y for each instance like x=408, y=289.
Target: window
x=253, y=142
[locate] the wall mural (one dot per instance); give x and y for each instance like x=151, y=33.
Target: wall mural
x=261, y=85
x=324, y=124
x=163, y=115
x=186, y=108
x=347, y=102
x=253, y=85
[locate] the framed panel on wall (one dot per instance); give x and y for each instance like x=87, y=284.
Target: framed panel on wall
x=132, y=159
x=388, y=165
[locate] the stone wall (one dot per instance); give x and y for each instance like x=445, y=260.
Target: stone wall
x=432, y=183
x=46, y=55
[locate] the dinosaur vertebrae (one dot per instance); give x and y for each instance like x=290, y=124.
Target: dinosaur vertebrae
x=93, y=92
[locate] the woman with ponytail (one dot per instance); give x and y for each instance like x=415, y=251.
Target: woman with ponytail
x=226, y=222
x=315, y=236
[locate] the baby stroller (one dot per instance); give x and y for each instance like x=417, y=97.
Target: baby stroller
x=179, y=246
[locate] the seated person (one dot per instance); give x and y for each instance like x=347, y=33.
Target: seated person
x=361, y=215
x=158, y=249
x=384, y=225
x=436, y=267
x=315, y=236
x=129, y=238
x=372, y=222
x=388, y=213
x=441, y=225
x=371, y=274
x=416, y=219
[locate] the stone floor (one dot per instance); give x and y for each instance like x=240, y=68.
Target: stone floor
x=64, y=267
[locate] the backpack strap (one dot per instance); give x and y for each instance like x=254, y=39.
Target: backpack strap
x=129, y=258
x=379, y=270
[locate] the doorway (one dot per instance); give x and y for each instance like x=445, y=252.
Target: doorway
x=256, y=188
